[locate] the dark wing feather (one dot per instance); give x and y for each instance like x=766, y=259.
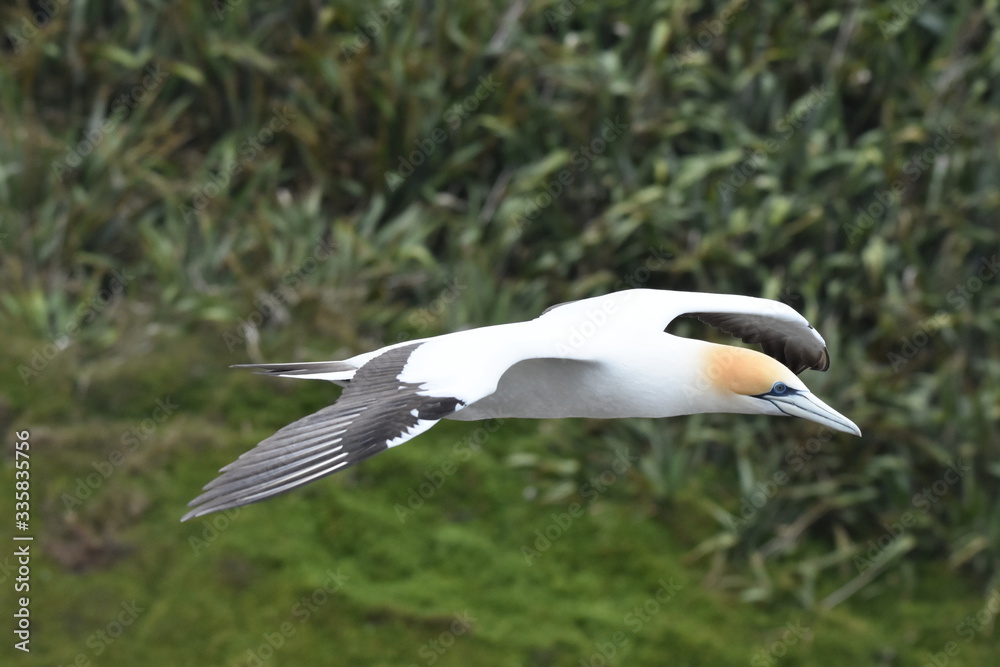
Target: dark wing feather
x=791, y=343
x=374, y=410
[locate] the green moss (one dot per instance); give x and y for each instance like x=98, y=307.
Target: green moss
x=335, y=568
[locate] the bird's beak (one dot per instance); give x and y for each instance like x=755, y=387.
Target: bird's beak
x=805, y=405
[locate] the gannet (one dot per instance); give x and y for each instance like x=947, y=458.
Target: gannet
x=602, y=357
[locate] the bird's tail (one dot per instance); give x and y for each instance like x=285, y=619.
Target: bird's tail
x=334, y=371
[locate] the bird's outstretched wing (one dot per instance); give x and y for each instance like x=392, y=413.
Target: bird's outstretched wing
x=376, y=411
x=781, y=331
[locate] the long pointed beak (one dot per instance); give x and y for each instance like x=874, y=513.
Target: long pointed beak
x=805, y=405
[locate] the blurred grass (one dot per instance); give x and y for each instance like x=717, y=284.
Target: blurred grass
x=754, y=150
x=214, y=590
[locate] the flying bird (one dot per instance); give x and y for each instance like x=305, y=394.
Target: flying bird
x=603, y=357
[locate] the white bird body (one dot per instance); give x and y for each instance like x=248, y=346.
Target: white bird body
x=604, y=357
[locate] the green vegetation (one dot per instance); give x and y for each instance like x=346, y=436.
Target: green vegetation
x=188, y=186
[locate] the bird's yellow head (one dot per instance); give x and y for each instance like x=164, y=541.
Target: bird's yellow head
x=753, y=383
x=746, y=372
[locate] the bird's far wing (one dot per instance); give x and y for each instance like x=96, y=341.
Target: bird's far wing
x=376, y=411
x=781, y=331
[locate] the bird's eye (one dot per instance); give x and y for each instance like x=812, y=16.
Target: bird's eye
x=779, y=388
